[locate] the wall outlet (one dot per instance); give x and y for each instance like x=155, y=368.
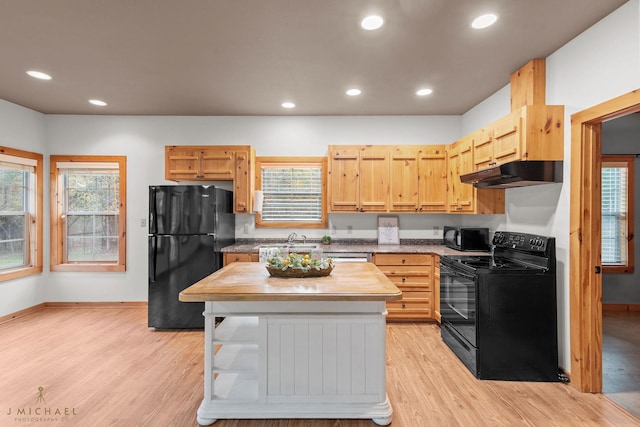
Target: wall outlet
x=334, y=229
x=349, y=229
x=143, y=222
x=246, y=229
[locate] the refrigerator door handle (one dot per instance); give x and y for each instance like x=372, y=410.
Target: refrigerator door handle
x=153, y=227
x=154, y=258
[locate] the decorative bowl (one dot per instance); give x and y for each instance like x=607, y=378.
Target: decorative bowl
x=299, y=272
x=299, y=265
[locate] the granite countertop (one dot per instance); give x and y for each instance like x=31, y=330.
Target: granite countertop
x=424, y=246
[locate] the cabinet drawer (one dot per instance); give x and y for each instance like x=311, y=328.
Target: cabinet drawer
x=413, y=305
x=403, y=259
x=240, y=257
x=406, y=270
x=422, y=283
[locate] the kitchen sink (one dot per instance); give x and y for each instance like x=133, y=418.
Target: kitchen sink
x=301, y=247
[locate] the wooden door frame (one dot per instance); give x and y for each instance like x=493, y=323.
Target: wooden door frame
x=585, y=286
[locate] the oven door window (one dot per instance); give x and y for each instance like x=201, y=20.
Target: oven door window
x=458, y=301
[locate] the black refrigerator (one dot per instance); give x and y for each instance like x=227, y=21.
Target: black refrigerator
x=188, y=225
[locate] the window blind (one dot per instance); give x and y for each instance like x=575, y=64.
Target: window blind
x=614, y=215
x=292, y=194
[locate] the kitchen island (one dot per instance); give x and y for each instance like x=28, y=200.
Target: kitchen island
x=294, y=347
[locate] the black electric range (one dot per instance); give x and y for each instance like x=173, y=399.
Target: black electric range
x=498, y=312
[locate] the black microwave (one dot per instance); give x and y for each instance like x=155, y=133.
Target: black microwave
x=466, y=238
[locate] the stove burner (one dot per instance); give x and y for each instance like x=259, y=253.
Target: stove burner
x=489, y=262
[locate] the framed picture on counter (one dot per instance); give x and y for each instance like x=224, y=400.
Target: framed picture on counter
x=388, y=230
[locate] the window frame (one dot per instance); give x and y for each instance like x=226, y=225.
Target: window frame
x=35, y=227
x=628, y=162
x=307, y=161
x=58, y=237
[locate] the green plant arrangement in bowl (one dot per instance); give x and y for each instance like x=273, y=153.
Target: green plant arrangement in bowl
x=299, y=265
x=325, y=240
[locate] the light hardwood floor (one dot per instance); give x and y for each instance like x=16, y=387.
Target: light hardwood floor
x=108, y=369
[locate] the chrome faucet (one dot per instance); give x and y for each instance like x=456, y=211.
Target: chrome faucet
x=291, y=237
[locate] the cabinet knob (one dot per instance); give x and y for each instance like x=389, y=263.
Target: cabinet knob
x=404, y=279
x=404, y=260
x=404, y=306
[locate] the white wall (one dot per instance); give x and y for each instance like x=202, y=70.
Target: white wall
x=142, y=140
x=600, y=64
x=23, y=129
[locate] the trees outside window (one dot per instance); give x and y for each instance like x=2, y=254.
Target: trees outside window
x=20, y=213
x=89, y=218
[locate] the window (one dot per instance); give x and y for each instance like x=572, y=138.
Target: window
x=88, y=223
x=294, y=192
x=20, y=213
x=617, y=214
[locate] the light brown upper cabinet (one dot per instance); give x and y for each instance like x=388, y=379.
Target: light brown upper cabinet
x=482, y=148
x=358, y=179
x=418, y=178
x=405, y=172
x=534, y=132
x=387, y=178
x=198, y=163
x=460, y=161
x=465, y=198
x=244, y=182
x=214, y=163
x=432, y=181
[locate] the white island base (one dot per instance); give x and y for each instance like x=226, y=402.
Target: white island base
x=295, y=359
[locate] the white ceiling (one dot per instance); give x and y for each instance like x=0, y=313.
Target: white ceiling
x=245, y=57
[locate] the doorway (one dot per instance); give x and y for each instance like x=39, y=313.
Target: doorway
x=585, y=280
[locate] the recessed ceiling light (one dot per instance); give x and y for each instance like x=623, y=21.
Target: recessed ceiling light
x=424, y=92
x=39, y=75
x=484, y=21
x=98, y=102
x=354, y=92
x=372, y=22
x=288, y=105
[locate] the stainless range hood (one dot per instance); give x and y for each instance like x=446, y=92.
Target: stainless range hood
x=516, y=174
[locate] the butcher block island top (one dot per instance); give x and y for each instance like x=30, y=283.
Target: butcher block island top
x=250, y=281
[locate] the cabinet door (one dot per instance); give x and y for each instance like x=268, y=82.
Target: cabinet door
x=459, y=162
x=243, y=183
x=374, y=180
x=466, y=194
x=343, y=180
x=182, y=163
x=217, y=164
x=483, y=149
x=507, y=137
x=404, y=179
x=432, y=183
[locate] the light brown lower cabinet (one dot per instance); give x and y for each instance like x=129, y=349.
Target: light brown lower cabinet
x=228, y=258
x=413, y=274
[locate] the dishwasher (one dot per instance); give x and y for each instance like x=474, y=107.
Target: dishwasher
x=348, y=256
